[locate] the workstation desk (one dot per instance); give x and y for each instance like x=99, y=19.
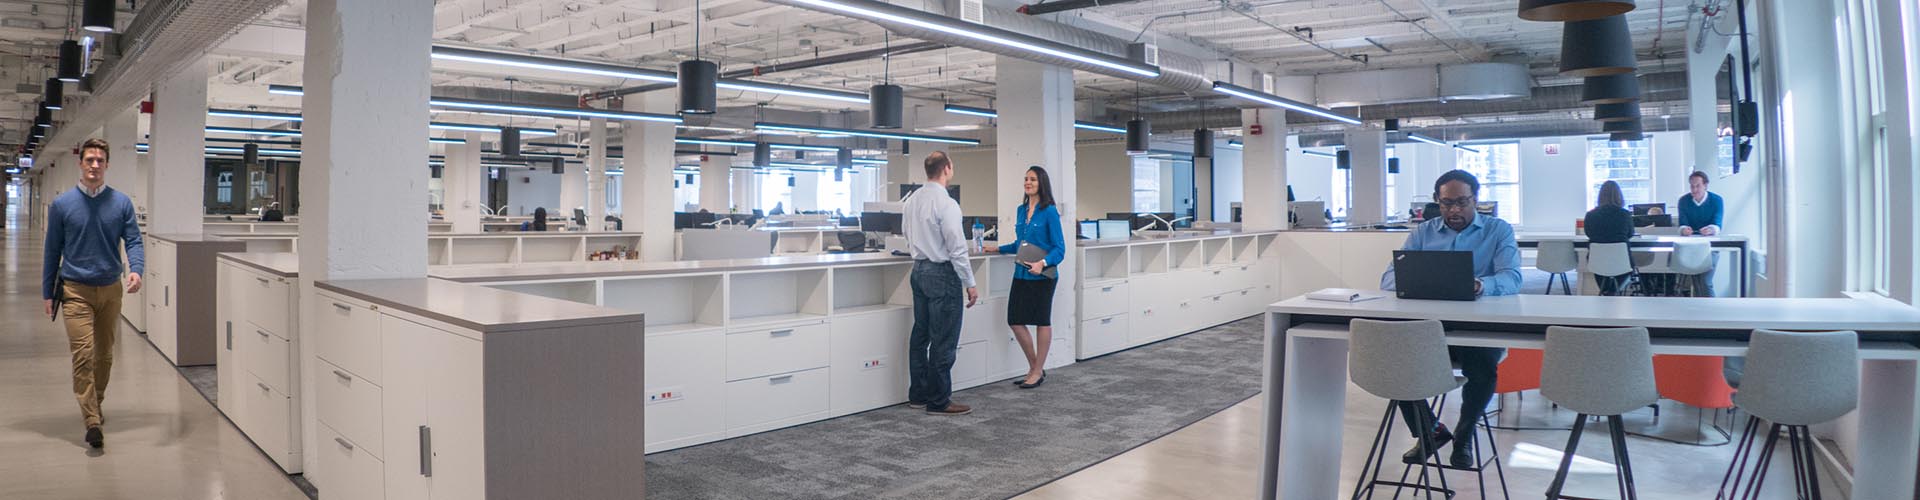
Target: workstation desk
x=1736, y=244
x=1306, y=366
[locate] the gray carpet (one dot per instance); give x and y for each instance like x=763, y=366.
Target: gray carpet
x=1014, y=441
x=204, y=379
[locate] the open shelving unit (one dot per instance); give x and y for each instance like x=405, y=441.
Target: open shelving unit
x=482, y=251
x=1219, y=251
x=1104, y=264
x=871, y=288
x=672, y=304
x=998, y=279
x=1148, y=258
x=1187, y=255
x=763, y=297
x=1244, y=250
x=561, y=249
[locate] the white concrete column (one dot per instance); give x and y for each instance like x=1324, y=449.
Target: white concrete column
x=1036, y=128
x=1203, y=183
x=596, y=174
x=179, y=150
x=1807, y=116
x=573, y=189
x=460, y=182
x=122, y=132
x=1367, y=146
x=1703, y=69
x=806, y=191
x=1263, y=165
x=746, y=190
x=715, y=183
x=646, y=188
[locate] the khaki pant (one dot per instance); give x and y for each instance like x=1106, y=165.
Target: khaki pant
x=93, y=319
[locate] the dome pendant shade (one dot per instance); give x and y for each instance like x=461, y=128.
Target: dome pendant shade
x=97, y=16
x=887, y=106
x=70, y=61
x=1202, y=143
x=1626, y=137
x=1610, y=89
x=1572, y=10
x=1137, y=136
x=1621, y=126
x=762, y=155
x=1617, y=112
x=699, y=91
x=1596, y=48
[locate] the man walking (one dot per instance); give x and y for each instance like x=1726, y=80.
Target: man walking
x=940, y=272
x=85, y=228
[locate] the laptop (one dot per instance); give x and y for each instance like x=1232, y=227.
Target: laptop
x=1433, y=274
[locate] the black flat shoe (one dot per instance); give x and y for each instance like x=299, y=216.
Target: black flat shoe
x=1036, y=383
x=94, y=438
x=1439, y=438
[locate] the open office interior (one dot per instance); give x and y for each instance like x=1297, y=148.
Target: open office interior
x=959, y=249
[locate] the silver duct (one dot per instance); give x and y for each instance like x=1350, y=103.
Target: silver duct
x=1514, y=130
x=1177, y=71
x=1656, y=88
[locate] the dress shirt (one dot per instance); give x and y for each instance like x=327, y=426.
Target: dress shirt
x=932, y=226
x=1496, y=257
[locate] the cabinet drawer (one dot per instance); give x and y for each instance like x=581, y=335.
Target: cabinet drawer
x=268, y=421
x=1103, y=335
x=267, y=304
x=686, y=397
x=969, y=363
x=348, y=333
x=776, y=350
x=766, y=403
x=264, y=355
x=1103, y=300
x=347, y=470
x=349, y=404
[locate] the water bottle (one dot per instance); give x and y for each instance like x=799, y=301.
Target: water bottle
x=979, y=237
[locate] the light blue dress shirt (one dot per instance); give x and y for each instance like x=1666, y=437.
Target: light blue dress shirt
x=1496, y=257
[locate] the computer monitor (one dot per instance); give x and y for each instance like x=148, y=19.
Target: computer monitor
x=682, y=220
x=579, y=217
x=849, y=221
x=1309, y=213
x=1115, y=229
x=1089, y=230
x=880, y=222
x=1661, y=220
x=1649, y=208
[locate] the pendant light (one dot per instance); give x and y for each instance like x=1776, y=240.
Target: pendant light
x=43, y=119
x=1626, y=136
x=1202, y=143
x=1610, y=89
x=699, y=79
x=886, y=99
x=250, y=154
x=1621, y=126
x=1595, y=48
x=510, y=142
x=1617, y=112
x=1572, y=10
x=762, y=155
x=97, y=16
x=70, y=61
x=1138, y=134
x=55, y=94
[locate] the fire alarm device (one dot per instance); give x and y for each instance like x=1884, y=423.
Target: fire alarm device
x=1254, y=129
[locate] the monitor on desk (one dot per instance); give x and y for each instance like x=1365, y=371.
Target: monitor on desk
x=849, y=222
x=1660, y=220
x=880, y=222
x=1115, y=229
x=1648, y=209
x=1309, y=213
x=1089, y=230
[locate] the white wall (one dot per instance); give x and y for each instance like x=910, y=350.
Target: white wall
x=530, y=189
x=975, y=171
x=1228, y=178
x=1553, y=188
x=1105, y=178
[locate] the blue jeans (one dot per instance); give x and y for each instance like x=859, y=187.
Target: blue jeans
x=937, y=296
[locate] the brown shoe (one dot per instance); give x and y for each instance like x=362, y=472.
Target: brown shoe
x=952, y=409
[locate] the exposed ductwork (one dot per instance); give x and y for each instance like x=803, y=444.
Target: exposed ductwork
x=1506, y=130
x=1035, y=9
x=1177, y=71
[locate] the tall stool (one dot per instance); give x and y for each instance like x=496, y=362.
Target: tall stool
x=1598, y=372
x=1792, y=380
x=1407, y=361
x=1690, y=260
x=1557, y=259
x=1612, y=263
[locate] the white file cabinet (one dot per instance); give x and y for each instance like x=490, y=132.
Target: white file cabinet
x=259, y=353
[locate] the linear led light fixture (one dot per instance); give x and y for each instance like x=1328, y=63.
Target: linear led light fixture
x=1263, y=97
x=1467, y=149
x=253, y=131
x=287, y=90
x=775, y=88
x=552, y=64
x=868, y=161
x=527, y=109
x=712, y=142
x=443, y=140
x=1428, y=140
x=802, y=147
x=1235, y=144
x=863, y=133
x=1321, y=154
x=988, y=113
x=881, y=10
x=264, y=151
x=470, y=127
x=1098, y=127
x=251, y=114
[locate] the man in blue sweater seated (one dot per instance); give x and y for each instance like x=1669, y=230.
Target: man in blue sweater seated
x=1700, y=214
x=86, y=227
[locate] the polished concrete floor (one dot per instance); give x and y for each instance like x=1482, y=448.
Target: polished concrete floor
x=163, y=441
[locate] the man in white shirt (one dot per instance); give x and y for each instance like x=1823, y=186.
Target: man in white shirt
x=940, y=273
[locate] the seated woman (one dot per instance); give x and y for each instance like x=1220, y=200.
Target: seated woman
x=1609, y=222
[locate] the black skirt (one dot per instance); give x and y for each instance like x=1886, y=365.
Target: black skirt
x=1031, y=302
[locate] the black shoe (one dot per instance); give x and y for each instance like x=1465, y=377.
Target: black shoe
x=1036, y=383
x=1439, y=438
x=1462, y=457
x=94, y=438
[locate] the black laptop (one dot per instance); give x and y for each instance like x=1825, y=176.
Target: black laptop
x=1433, y=274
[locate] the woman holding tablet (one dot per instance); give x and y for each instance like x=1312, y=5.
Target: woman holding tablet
x=1038, y=246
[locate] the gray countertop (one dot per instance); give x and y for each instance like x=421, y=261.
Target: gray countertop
x=1159, y=236
x=282, y=264
x=186, y=238
x=622, y=268
x=478, y=308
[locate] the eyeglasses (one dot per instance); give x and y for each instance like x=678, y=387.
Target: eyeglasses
x=1456, y=202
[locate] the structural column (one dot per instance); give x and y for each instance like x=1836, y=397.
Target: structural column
x=1805, y=61
x=573, y=189
x=1263, y=169
x=122, y=132
x=646, y=189
x=1367, y=148
x=1036, y=128
x=716, y=178
x=596, y=174
x=179, y=148
x=460, y=179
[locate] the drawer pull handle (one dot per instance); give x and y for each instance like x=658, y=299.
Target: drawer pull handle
x=343, y=307
x=263, y=281
x=343, y=375
x=263, y=387
x=263, y=333
x=780, y=379
x=1106, y=321
x=343, y=443
x=1106, y=289
x=426, y=451
x=781, y=333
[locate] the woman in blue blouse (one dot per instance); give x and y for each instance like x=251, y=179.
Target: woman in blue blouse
x=1031, y=300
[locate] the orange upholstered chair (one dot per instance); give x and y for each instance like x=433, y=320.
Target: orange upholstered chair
x=1520, y=371
x=1696, y=381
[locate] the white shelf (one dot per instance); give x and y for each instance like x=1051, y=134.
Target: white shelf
x=1147, y=258
x=1268, y=245
x=551, y=249
x=753, y=296
x=850, y=311
x=576, y=291
x=1103, y=263
x=1186, y=255
x=999, y=278
x=437, y=251
x=482, y=250
x=695, y=300
x=867, y=286
x=1244, y=249
x=1218, y=251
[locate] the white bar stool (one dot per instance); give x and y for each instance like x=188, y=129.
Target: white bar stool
x=1690, y=260
x=1557, y=258
x=1793, y=380
x=1407, y=361
x=1599, y=372
x=1612, y=263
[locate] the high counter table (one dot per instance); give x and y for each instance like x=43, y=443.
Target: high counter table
x=1731, y=242
x=1306, y=366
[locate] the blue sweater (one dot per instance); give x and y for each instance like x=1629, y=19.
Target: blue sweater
x=84, y=234
x=1042, y=230
x=1701, y=215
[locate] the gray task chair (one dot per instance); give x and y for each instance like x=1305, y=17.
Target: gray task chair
x=1407, y=361
x=1598, y=372
x=1558, y=260
x=1793, y=380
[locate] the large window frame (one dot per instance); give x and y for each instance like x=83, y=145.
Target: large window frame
x=1629, y=163
x=1497, y=165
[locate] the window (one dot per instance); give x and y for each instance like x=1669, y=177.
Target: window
x=1392, y=193
x=835, y=196
x=774, y=190
x=685, y=192
x=1628, y=163
x=1497, y=165
x=1146, y=184
x=1724, y=155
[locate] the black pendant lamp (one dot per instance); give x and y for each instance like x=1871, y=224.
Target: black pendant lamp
x=762, y=155
x=97, y=16
x=55, y=94
x=70, y=61
x=43, y=119
x=1137, y=136
x=1626, y=136
x=1203, y=143
x=1617, y=112
x=250, y=154
x=1572, y=10
x=1610, y=89
x=842, y=158
x=510, y=142
x=888, y=106
x=699, y=79
x=1621, y=126
x=1595, y=48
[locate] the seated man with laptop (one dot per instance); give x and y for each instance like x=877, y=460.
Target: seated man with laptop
x=1460, y=255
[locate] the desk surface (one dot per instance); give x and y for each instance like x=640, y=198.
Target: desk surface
x=485, y=273
x=478, y=308
x=1722, y=238
x=1860, y=314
